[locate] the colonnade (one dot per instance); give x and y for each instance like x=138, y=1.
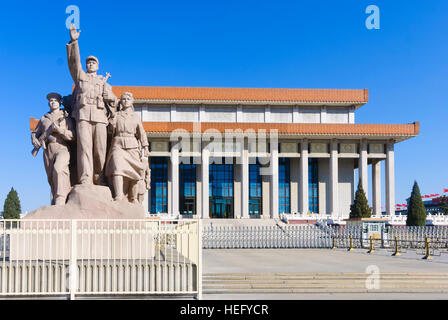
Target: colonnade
x=303, y=179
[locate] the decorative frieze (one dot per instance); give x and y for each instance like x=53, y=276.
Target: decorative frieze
x=159, y=146
x=318, y=147
x=224, y=147
x=376, y=148
x=348, y=148
x=288, y=147
x=188, y=146
x=258, y=147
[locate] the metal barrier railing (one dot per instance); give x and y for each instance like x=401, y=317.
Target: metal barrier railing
x=100, y=257
x=324, y=236
x=427, y=247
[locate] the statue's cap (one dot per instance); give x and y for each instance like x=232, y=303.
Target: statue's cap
x=54, y=95
x=92, y=58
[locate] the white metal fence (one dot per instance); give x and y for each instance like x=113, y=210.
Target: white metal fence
x=100, y=257
x=309, y=236
x=437, y=219
x=272, y=236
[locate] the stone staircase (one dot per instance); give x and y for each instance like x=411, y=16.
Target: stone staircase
x=273, y=283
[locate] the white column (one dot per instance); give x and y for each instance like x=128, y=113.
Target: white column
x=244, y=181
x=303, y=189
x=334, y=179
x=148, y=192
x=198, y=189
x=146, y=198
x=363, y=174
x=204, y=177
x=175, y=177
x=295, y=181
x=274, y=180
x=376, y=187
x=390, y=179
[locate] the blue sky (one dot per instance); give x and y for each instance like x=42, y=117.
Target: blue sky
x=273, y=44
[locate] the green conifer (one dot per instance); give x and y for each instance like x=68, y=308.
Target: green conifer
x=11, y=207
x=416, y=210
x=443, y=205
x=360, y=207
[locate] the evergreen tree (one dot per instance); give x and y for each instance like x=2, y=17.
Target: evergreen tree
x=360, y=207
x=11, y=208
x=443, y=205
x=416, y=210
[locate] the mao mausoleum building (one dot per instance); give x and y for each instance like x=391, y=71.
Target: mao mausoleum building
x=258, y=153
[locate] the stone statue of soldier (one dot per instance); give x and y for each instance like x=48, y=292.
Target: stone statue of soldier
x=92, y=97
x=125, y=165
x=54, y=133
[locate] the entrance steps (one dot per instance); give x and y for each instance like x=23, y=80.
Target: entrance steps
x=250, y=283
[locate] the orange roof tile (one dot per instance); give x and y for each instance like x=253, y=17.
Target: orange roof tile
x=292, y=128
x=284, y=128
x=33, y=123
x=356, y=96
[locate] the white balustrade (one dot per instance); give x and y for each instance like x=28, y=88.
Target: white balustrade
x=99, y=257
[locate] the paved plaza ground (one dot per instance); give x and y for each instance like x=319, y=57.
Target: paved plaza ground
x=317, y=260
x=321, y=261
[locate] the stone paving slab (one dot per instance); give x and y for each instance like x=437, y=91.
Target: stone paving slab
x=328, y=296
x=316, y=261
x=320, y=261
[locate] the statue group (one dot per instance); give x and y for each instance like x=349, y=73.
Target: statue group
x=96, y=139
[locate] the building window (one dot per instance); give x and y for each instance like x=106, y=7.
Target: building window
x=187, y=188
x=255, y=191
x=284, y=190
x=221, y=180
x=221, y=190
x=159, y=185
x=187, y=180
x=313, y=185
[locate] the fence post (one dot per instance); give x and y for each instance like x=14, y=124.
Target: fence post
x=428, y=250
x=73, y=261
x=371, y=249
x=396, y=252
x=351, y=244
x=334, y=242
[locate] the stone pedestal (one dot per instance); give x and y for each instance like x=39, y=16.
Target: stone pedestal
x=90, y=202
x=106, y=229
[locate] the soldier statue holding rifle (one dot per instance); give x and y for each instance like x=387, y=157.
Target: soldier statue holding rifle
x=89, y=111
x=53, y=133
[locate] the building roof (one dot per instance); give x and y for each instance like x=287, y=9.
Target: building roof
x=355, y=97
x=398, y=132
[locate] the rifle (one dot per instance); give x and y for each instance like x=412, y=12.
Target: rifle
x=109, y=107
x=43, y=137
